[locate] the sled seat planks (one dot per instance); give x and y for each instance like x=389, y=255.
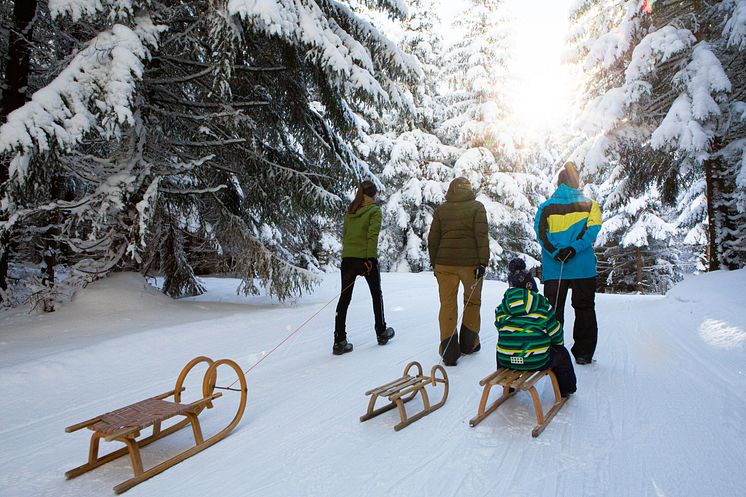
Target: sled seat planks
x=518, y=380
x=406, y=388
x=125, y=424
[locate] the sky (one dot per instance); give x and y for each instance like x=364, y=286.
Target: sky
x=542, y=93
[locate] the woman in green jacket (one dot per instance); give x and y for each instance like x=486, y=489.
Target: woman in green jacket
x=360, y=258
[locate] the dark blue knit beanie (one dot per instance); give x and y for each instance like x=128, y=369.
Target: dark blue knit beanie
x=519, y=277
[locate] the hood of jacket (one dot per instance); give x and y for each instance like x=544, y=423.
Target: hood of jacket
x=565, y=192
x=515, y=300
x=460, y=191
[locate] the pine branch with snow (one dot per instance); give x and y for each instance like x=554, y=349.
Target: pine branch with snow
x=665, y=79
x=189, y=155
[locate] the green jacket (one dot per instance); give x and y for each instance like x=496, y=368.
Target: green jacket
x=526, y=328
x=361, y=232
x=458, y=233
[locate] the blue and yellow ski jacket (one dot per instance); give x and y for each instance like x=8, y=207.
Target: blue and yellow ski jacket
x=568, y=219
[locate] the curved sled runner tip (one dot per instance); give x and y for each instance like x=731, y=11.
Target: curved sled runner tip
x=124, y=425
x=511, y=381
x=406, y=388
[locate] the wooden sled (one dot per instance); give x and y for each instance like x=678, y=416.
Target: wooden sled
x=124, y=425
x=518, y=380
x=404, y=389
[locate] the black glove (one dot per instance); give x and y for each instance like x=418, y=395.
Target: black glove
x=369, y=264
x=565, y=254
x=479, y=271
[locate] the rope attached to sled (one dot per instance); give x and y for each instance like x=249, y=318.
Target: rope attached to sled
x=296, y=330
x=559, y=286
x=463, y=313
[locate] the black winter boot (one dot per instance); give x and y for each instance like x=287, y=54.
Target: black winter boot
x=385, y=336
x=469, y=340
x=342, y=347
x=449, y=350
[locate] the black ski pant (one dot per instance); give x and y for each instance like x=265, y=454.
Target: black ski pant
x=561, y=365
x=353, y=267
x=585, y=330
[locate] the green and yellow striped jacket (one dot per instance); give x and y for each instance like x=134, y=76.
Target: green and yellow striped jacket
x=526, y=328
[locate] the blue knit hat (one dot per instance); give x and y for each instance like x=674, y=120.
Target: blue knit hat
x=519, y=277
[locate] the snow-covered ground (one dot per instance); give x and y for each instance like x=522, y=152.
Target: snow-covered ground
x=661, y=413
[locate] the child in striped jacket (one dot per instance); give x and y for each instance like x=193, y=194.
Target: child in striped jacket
x=529, y=336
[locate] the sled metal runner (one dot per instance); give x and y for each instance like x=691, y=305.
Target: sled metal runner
x=124, y=425
x=518, y=380
x=406, y=388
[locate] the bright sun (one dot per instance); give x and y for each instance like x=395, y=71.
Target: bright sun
x=541, y=92
x=542, y=96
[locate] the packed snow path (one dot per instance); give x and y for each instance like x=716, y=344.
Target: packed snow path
x=661, y=413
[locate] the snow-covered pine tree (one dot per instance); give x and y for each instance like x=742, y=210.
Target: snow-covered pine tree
x=668, y=77
x=691, y=222
x=476, y=75
x=510, y=214
x=422, y=39
x=537, y=161
x=476, y=117
x=16, y=33
x=639, y=250
x=414, y=166
x=208, y=123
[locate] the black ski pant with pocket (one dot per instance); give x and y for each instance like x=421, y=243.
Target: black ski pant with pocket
x=561, y=365
x=585, y=330
x=353, y=267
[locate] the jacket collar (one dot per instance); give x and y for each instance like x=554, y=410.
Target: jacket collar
x=565, y=191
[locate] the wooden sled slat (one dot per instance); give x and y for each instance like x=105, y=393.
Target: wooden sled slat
x=125, y=424
x=404, y=389
x=518, y=380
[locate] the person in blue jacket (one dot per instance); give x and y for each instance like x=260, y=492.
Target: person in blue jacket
x=567, y=225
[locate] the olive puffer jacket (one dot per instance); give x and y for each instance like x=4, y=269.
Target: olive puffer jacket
x=458, y=234
x=361, y=230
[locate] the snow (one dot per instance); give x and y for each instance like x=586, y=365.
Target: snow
x=605, y=111
x=735, y=27
x=657, y=47
x=78, y=9
x=679, y=129
x=610, y=46
x=703, y=77
x=98, y=82
x=330, y=44
x=661, y=412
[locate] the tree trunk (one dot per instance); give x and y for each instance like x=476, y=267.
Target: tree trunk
x=18, y=63
x=638, y=256
x=720, y=218
x=4, y=248
x=17, y=68
x=48, y=277
x=713, y=195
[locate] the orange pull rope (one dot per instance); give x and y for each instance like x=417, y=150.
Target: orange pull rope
x=293, y=333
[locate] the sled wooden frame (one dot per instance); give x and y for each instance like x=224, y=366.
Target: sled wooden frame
x=518, y=380
x=404, y=389
x=124, y=425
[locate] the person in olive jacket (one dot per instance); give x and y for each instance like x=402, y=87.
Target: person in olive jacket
x=360, y=258
x=459, y=253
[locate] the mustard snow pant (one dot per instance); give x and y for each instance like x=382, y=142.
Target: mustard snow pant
x=449, y=278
